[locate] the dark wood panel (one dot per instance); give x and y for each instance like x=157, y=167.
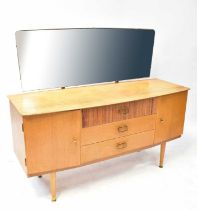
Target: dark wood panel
x=117, y=112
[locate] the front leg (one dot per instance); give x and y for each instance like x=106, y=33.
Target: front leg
x=53, y=185
x=162, y=153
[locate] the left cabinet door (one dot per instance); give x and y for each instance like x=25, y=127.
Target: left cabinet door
x=52, y=141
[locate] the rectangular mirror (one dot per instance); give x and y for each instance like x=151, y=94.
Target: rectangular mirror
x=70, y=57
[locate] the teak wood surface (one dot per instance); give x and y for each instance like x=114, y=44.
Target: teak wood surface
x=92, y=134
x=42, y=102
x=116, y=146
x=170, y=116
x=18, y=136
x=59, y=129
x=123, y=111
x=52, y=141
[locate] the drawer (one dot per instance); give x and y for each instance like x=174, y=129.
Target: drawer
x=103, y=132
x=117, y=112
x=110, y=148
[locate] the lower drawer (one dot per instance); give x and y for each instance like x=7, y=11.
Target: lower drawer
x=110, y=148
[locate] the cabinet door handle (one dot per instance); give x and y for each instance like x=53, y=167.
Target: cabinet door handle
x=161, y=120
x=121, y=145
x=122, y=128
x=123, y=110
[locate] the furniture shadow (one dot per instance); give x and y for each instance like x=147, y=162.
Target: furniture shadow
x=91, y=174
x=87, y=176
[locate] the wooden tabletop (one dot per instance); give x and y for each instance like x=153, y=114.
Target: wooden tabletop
x=48, y=101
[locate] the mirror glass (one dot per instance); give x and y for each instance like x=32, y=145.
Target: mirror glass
x=69, y=57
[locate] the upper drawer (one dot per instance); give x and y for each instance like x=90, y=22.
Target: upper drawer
x=103, y=132
x=117, y=112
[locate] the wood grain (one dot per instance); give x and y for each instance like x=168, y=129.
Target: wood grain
x=41, y=102
x=170, y=116
x=52, y=141
x=55, y=139
x=112, y=113
x=18, y=136
x=103, y=132
x=110, y=148
x=106, y=158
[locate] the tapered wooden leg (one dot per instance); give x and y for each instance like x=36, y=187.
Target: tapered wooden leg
x=162, y=153
x=53, y=186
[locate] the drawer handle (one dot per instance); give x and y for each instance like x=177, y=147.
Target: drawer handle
x=74, y=140
x=123, y=128
x=123, y=110
x=121, y=145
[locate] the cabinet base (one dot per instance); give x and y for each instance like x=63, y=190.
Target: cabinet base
x=53, y=174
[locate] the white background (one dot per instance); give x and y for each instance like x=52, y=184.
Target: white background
x=133, y=181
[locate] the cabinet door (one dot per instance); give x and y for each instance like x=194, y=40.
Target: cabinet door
x=170, y=116
x=52, y=141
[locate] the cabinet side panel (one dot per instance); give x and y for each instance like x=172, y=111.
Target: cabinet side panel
x=18, y=135
x=170, y=116
x=52, y=141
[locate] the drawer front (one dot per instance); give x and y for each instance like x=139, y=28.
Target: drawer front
x=110, y=148
x=112, y=113
x=103, y=132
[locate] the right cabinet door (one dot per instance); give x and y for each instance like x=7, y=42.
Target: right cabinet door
x=170, y=116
